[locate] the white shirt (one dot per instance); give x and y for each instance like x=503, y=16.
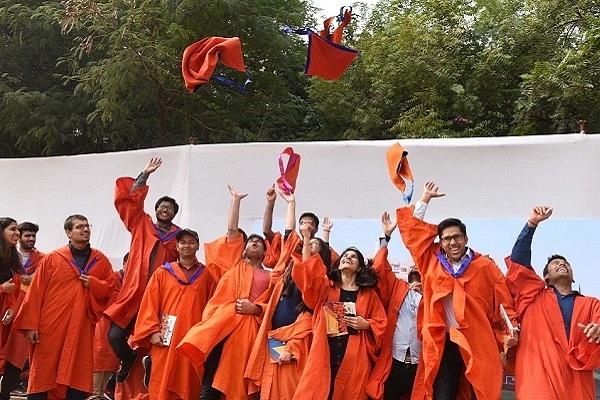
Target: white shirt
x=419, y=212
x=405, y=334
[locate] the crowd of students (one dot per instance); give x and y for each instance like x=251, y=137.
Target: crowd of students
x=283, y=316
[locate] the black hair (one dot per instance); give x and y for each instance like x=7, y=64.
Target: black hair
x=125, y=257
x=311, y=216
x=448, y=222
x=256, y=236
x=414, y=276
x=550, y=259
x=28, y=227
x=325, y=253
x=167, y=199
x=10, y=261
x=365, y=277
x=68, y=225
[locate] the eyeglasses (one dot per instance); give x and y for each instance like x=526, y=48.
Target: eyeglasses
x=166, y=208
x=457, y=238
x=82, y=227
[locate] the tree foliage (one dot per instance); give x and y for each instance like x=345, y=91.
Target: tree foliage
x=89, y=76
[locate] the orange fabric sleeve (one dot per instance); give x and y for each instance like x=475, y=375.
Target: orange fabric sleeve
x=418, y=237
x=130, y=206
x=310, y=277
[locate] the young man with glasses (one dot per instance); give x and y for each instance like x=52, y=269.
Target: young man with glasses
x=71, y=289
x=559, y=346
x=152, y=244
x=461, y=320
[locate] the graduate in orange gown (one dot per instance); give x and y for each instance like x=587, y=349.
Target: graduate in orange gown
x=152, y=244
x=231, y=318
x=14, y=353
x=287, y=322
x=338, y=366
x=60, y=328
x=462, y=333
x=273, y=239
x=559, y=346
x=178, y=290
x=395, y=370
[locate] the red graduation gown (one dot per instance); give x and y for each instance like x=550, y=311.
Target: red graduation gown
x=149, y=249
x=64, y=355
x=547, y=365
x=173, y=375
x=362, y=349
x=477, y=296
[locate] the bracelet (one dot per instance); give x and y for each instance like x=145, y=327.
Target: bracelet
x=327, y=230
x=534, y=225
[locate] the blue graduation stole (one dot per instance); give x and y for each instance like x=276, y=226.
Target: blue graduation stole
x=193, y=279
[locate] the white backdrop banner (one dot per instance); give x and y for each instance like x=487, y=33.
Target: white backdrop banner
x=483, y=178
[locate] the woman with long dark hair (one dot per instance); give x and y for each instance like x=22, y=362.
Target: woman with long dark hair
x=10, y=270
x=345, y=356
x=281, y=348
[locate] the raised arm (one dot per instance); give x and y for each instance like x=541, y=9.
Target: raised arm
x=153, y=165
x=327, y=225
x=234, y=213
x=430, y=191
x=521, y=252
x=290, y=216
x=268, y=217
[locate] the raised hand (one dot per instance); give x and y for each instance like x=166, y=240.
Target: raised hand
x=327, y=224
x=539, y=214
x=271, y=194
x=387, y=224
x=430, y=191
x=235, y=194
x=152, y=165
x=305, y=231
x=287, y=197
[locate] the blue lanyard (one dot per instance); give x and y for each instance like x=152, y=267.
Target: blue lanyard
x=193, y=279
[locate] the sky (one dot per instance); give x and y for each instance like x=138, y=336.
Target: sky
x=332, y=7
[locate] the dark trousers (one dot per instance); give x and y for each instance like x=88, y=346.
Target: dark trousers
x=72, y=394
x=400, y=381
x=445, y=386
x=10, y=380
x=210, y=368
x=117, y=337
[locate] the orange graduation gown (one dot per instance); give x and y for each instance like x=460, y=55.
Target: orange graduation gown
x=362, y=349
x=274, y=381
x=173, y=376
x=547, y=365
x=220, y=320
x=16, y=349
x=64, y=355
x=477, y=296
x=391, y=291
x=105, y=360
x=149, y=249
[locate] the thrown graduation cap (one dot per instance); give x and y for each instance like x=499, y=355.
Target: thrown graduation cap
x=326, y=57
x=200, y=60
x=400, y=172
x=289, y=175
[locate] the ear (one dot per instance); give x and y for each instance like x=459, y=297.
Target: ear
x=244, y=254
